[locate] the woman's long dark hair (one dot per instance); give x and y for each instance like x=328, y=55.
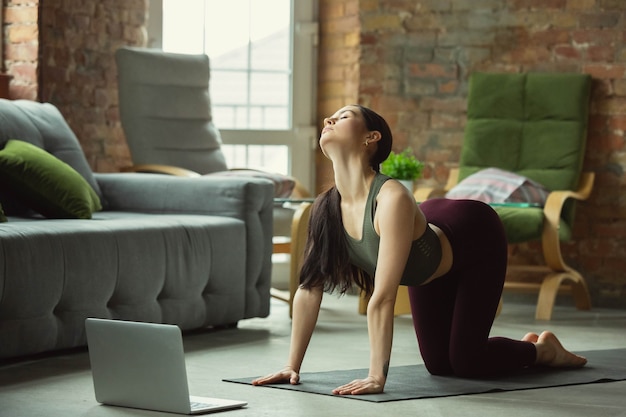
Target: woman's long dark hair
x=326, y=262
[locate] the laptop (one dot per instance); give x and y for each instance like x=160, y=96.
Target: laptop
x=142, y=365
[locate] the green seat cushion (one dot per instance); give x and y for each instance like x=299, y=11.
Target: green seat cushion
x=523, y=224
x=44, y=183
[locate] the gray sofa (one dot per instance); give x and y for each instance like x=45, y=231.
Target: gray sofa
x=195, y=252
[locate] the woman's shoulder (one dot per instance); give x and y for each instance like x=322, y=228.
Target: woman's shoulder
x=393, y=193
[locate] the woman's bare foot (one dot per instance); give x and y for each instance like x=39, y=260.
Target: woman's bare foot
x=530, y=337
x=550, y=352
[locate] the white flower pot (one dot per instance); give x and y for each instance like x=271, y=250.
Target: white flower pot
x=408, y=184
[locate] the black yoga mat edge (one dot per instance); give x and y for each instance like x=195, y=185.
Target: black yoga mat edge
x=413, y=381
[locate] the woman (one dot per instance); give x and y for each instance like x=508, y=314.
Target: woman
x=450, y=253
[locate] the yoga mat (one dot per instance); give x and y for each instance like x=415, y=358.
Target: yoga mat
x=414, y=382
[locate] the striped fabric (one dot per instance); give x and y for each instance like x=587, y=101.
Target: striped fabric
x=493, y=185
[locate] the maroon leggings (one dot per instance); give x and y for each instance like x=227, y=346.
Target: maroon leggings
x=453, y=314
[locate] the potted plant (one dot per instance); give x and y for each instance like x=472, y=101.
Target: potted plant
x=403, y=166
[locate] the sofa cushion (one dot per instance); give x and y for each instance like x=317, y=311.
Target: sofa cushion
x=493, y=185
x=44, y=183
x=182, y=269
x=43, y=125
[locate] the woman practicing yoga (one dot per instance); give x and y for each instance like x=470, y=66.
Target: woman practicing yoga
x=368, y=231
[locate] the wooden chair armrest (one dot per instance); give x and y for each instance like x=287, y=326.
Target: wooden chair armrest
x=425, y=193
x=552, y=213
x=161, y=169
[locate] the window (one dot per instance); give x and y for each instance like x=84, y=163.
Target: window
x=262, y=56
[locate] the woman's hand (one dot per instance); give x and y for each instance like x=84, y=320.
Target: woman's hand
x=306, y=307
x=368, y=385
x=280, y=377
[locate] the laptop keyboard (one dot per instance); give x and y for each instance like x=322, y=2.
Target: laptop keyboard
x=198, y=406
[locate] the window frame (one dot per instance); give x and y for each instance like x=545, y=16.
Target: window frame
x=301, y=137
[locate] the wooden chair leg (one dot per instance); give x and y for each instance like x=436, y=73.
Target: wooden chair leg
x=299, y=231
x=550, y=288
x=363, y=301
x=403, y=305
x=295, y=247
x=580, y=292
x=547, y=296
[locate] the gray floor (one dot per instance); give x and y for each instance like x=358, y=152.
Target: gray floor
x=60, y=385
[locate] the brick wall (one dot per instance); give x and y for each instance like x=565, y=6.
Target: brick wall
x=414, y=60
x=409, y=59
x=78, y=72
x=338, y=69
x=62, y=52
x=21, y=47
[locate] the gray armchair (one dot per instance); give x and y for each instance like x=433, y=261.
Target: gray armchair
x=165, y=110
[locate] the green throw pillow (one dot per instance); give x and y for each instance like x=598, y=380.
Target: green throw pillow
x=44, y=183
x=3, y=218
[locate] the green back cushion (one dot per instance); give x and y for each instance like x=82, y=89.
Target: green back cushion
x=531, y=124
x=44, y=183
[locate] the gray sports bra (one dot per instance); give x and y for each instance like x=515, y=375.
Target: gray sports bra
x=425, y=254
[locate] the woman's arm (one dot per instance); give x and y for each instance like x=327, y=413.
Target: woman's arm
x=306, y=307
x=395, y=223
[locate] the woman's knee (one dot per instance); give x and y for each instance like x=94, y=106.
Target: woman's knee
x=439, y=367
x=463, y=367
x=466, y=367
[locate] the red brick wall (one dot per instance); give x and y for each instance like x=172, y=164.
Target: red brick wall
x=21, y=47
x=62, y=52
x=414, y=62
x=78, y=73
x=338, y=69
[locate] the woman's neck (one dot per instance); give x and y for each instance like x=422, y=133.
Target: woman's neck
x=353, y=181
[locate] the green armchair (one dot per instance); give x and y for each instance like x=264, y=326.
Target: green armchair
x=534, y=125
